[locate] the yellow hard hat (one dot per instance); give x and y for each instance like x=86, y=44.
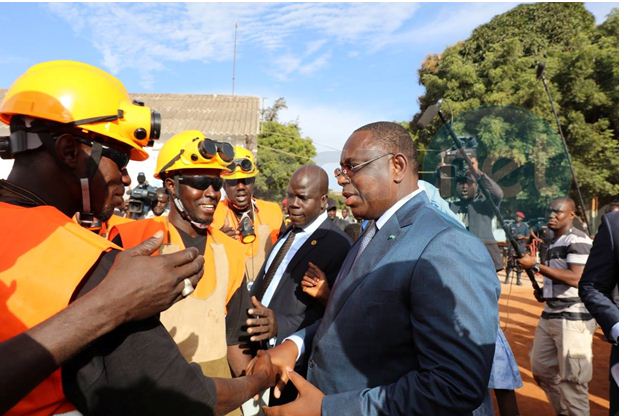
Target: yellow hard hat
x=191, y=149
x=82, y=96
x=244, y=165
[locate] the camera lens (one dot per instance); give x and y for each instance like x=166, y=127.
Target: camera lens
x=155, y=125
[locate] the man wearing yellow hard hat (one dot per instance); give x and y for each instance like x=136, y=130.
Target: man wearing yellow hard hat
x=254, y=222
x=73, y=128
x=208, y=326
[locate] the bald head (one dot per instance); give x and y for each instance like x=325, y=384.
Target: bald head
x=393, y=138
x=307, y=195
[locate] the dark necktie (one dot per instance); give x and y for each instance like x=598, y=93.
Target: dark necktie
x=279, y=257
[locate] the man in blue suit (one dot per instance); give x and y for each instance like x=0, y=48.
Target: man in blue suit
x=410, y=325
x=598, y=289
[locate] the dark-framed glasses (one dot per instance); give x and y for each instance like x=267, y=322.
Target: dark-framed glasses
x=120, y=158
x=348, y=169
x=245, y=181
x=201, y=182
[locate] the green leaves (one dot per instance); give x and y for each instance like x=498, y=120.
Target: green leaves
x=281, y=151
x=496, y=67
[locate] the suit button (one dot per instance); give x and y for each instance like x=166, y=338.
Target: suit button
x=311, y=364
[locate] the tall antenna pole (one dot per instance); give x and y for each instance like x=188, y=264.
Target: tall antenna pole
x=234, y=61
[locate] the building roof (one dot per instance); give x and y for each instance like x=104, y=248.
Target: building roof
x=223, y=117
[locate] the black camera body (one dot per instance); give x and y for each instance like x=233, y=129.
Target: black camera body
x=142, y=198
x=454, y=167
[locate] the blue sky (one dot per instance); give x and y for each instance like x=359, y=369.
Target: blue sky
x=339, y=65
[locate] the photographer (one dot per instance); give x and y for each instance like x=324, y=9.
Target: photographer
x=476, y=212
x=142, y=198
x=520, y=231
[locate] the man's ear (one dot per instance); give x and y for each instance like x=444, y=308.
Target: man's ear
x=399, y=167
x=169, y=186
x=67, y=150
x=323, y=202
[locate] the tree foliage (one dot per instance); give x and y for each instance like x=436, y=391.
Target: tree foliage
x=496, y=67
x=281, y=151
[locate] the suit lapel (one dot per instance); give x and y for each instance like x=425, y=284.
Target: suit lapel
x=301, y=254
x=382, y=243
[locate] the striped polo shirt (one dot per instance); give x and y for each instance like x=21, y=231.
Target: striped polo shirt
x=562, y=300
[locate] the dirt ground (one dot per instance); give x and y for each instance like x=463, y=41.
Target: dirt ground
x=519, y=312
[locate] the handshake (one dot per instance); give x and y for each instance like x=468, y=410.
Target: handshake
x=276, y=367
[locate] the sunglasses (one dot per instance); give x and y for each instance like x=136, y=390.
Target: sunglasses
x=244, y=164
x=120, y=158
x=347, y=170
x=201, y=182
x=244, y=181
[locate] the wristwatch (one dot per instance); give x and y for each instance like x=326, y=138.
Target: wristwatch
x=536, y=267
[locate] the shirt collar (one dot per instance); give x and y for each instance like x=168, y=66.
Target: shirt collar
x=314, y=225
x=394, y=208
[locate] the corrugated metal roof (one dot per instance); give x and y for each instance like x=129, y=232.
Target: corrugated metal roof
x=222, y=117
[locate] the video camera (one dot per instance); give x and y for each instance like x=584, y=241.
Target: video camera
x=453, y=166
x=142, y=199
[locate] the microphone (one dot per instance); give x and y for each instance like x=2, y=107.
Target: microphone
x=539, y=70
x=428, y=115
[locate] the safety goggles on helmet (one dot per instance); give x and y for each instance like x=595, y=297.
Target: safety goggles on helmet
x=198, y=153
x=245, y=165
x=201, y=182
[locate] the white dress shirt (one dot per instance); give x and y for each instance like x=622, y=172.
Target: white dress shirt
x=300, y=239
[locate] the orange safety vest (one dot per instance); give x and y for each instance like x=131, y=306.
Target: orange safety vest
x=268, y=220
x=135, y=232
x=45, y=255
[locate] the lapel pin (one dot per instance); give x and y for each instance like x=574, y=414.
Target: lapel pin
x=391, y=237
x=313, y=242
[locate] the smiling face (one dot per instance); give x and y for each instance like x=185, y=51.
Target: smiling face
x=199, y=204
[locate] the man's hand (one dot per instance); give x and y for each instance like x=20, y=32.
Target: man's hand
x=314, y=283
x=264, y=369
x=262, y=325
x=141, y=286
x=227, y=229
x=527, y=261
x=283, y=358
x=308, y=402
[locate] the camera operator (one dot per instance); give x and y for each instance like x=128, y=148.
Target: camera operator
x=142, y=197
x=520, y=231
x=476, y=212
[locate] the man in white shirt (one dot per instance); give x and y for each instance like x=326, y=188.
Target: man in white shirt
x=311, y=239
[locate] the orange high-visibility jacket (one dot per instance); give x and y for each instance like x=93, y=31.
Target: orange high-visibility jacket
x=268, y=220
x=135, y=232
x=45, y=255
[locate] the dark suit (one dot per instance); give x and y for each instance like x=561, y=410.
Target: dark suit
x=598, y=286
x=411, y=328
x=294, y=309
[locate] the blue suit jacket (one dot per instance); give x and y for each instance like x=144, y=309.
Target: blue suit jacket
x=411, y=329
x=600, y=276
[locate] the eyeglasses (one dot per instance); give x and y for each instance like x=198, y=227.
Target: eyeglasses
x=245, y=181
x=120, y=158
x=348, y=170
x=201, y=182
x=245, y=164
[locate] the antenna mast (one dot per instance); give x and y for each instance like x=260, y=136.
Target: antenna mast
x=234, y=61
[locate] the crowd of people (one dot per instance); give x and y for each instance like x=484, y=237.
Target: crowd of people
x=218, y=303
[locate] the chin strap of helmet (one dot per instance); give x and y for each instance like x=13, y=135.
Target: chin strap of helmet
x=177, y=202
